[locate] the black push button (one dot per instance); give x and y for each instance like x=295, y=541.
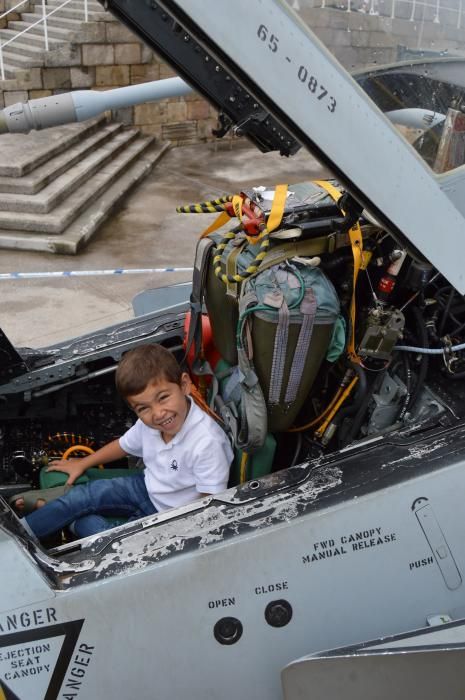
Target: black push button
x=278, y=613
x=228, y=630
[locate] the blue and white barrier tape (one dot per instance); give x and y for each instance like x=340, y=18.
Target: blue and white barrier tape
x=91, y=273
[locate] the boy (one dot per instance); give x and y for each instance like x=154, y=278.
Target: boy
x=185, y=453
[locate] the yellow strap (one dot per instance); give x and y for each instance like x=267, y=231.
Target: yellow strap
x=277, y=208
x=356, y=241
x=222, y=219
x=330, y=189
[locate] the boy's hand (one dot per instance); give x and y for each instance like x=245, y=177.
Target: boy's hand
x=73, y=467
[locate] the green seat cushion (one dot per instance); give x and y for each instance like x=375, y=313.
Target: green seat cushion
x=50, y=479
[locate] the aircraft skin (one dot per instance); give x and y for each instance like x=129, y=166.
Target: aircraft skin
x=214, y=599
x=308, y=559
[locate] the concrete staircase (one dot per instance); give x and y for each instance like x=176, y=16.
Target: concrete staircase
x=28, y=50
x=58, y=186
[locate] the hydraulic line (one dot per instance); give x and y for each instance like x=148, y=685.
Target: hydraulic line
x=408, y=383
x=429, y=351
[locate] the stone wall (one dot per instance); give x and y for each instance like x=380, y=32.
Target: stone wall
x=104, y=55
x=359, y=39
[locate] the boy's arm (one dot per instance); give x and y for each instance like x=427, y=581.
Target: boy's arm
x=76, y=467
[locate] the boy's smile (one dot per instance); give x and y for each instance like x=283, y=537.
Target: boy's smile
x=163, y=405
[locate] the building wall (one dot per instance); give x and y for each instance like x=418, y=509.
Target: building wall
x=106, y=55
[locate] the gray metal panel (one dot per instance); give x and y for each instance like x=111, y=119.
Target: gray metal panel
x=173, y=299
x=428, y=675
x=345, y=124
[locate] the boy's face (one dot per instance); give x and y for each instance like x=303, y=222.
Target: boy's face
x=163, y=405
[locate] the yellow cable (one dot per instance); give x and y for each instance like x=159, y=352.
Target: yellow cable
x=324, y=425
x=243, y=467
x=316, y=420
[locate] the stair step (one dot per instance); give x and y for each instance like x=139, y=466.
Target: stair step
x=34, y=42
x=92, y=5
x=53, y=32
x=86, y=224
x=50, y=197
x=56, y=221
x=56, y=166
x=12, y=56
x=9, y=71
x=56, y=20
x=23, y=153
x=76, y=12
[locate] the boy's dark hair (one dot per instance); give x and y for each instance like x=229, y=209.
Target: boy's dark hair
x=145, y=364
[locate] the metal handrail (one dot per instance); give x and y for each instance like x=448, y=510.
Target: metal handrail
x=371, y=8
x=12, y=9
x=42, y=20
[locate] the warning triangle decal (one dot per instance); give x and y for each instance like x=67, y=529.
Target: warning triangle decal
x=33, y=663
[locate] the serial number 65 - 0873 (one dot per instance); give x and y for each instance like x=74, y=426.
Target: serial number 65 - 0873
x=303, y=74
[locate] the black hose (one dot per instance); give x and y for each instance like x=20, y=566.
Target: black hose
x=455, y=375
x=445, y=313
x=297, y=449
x=408, y=384
x=424, y=362
x=348, y=411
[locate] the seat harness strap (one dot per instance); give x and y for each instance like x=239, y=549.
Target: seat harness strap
x=356, y=242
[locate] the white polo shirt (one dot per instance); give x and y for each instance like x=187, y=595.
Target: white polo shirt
x=196, y=460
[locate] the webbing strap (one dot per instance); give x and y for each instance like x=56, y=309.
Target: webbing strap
x=220, y=221
x=277, y=208
x=308, y=308
x=279, y=354
x=274, y=219
x=356, y=241
x=231, y=268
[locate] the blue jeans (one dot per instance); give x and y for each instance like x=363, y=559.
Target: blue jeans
x=86, y=504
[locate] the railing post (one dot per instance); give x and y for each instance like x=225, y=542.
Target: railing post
x=348, y=6
x=86, y=11
x=393, y=9
x=412, y=14
x=436, y=16
x=44, y=17
x=2, y=68
x=459, y=18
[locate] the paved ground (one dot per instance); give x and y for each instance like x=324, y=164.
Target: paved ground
x=146, y=233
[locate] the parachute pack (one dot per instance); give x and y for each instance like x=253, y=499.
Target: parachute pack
x=275, y=316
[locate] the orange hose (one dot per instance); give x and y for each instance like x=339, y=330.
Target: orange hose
x=79, y=448
x=201, y=403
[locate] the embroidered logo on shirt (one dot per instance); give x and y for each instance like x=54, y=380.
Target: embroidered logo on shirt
x=174, y=465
